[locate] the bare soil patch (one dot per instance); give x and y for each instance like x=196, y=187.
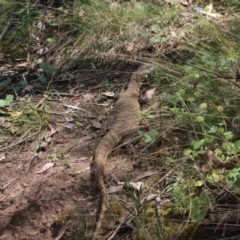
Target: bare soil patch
x=38, y=206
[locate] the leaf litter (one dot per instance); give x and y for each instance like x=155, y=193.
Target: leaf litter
x=71, y=141
x=29, y=191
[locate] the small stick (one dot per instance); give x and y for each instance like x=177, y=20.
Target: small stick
x=228, y=78
x=6, y=185
x=19, y=142
x=6, y=28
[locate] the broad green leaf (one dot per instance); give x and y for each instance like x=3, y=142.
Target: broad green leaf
x=165, y=39
x=54, y=24
x=155, y=28
x=198, y=144
x=43, y=79
x=228, y=135
x=208, y=139
x=150, y=136
x=208, y=59
x=7, y=101
x=6, y=82
x=237, y=144
x=9, y=98
x=23, y=83
x=237, y=182
x=50, y=40
x=187, y=152
x=155, y=39
x=2, y=103
x=198, y=183
x=213, y=176
x=17, y=89
x=199, y=209
x=234, y=174
x=181, y=92
x=213, y=129
x=48, y=68
x=230, y=148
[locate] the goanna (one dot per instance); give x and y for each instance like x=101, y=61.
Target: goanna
x=127, y=115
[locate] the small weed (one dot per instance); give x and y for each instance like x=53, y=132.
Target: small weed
x=49, y=70
x=54, y=157
x=151, y=136
x=57, y=155
x=145, y=216
x=7, y=101
x=67, y=164
x=196, y=79
x=23, y=121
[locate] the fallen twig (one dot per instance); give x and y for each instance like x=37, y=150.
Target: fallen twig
x=6, y=28
x=59, y=236
x=228, y=78
x=6, y=185
x=19, y=142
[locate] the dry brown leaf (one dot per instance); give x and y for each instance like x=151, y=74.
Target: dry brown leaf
x=146, y=174
x=114, y=5
x=183, y=2
x=96, y=124
x=114, y=189
x=15, y=114
x=6, y=124
x=23, y=64
x=130, y=47
x=108, y=94
x=40, y=102
x=87, y=97
x=2, y=156
x=106, y=104
x=135, y=185
x=80, y=171
x=81, y=13
x=45, y=167
x=150, y=93
x=91, y=159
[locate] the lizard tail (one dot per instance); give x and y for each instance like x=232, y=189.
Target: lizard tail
x=103, y=207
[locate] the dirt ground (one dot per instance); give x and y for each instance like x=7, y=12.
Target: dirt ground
x=58, y=203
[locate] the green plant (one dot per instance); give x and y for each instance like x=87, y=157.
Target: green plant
x=145, y=216
x=7, y=101
x=199, y=207
x=149, y=136
x=180, y=196
x=49, y=70
x=54, y=157
x=24, y=13
x=159, y=34
x=67, y=164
